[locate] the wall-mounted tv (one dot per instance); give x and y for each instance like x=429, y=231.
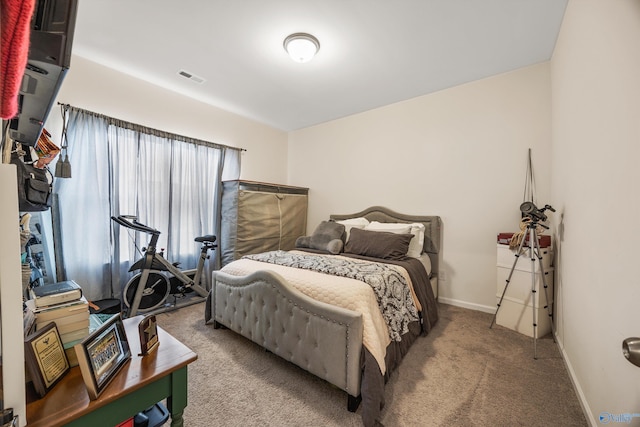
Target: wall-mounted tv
x=49, y=59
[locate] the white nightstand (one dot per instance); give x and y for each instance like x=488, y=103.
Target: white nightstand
x=516, y=310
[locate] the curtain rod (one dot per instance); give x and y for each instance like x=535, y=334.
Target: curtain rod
x=151, y=131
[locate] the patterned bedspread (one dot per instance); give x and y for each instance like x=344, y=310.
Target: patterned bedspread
x=381, y=292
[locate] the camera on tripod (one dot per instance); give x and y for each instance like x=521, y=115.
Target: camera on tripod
x=530, y=223
x=532, y=211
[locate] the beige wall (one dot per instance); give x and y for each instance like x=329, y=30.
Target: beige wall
x=595, y=75
x=97, y=88
x=460, y=153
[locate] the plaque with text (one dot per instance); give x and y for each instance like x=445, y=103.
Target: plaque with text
x=46, y=360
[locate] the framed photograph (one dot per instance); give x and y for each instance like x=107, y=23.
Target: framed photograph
x=102, y=354
x=46, y=360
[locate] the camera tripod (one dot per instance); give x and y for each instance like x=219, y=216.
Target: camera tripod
x=534, y=252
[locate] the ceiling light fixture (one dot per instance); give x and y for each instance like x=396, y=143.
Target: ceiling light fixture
x=301, y=47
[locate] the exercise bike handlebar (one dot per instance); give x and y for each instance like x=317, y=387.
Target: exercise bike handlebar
x=124, y=221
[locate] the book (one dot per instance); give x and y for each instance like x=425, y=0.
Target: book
x=74, y=335
x=55, y=293
x=95, y=321
x=67, y=327
x=60, y=310
x=73, y=317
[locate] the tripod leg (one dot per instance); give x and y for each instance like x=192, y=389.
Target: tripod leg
x=504, y=291
x=549, y=306
x=532, y=236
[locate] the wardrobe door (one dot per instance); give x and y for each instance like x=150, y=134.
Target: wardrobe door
x=258, y=223
x=293, y=219
x=260, y=217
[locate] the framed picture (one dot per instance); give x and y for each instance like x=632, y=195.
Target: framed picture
x=102, y=354
x=46, y=360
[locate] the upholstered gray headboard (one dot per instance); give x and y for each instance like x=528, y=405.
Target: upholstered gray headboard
x=432, y=230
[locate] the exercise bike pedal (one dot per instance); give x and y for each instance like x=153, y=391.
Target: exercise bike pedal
x=177, y=287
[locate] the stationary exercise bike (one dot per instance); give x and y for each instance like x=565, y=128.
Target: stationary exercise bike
x=158, y=278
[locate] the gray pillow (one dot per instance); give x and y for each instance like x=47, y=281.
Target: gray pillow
x=327, y=237
x=378, y=244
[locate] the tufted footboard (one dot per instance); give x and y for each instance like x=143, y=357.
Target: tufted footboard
x=323, y=339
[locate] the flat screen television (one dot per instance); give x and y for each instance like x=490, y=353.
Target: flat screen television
x=51, y=38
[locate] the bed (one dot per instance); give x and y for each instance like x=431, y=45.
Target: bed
x=303, y=317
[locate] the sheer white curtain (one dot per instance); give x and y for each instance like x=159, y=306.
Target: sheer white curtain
x=85, y=226
x=169, y=182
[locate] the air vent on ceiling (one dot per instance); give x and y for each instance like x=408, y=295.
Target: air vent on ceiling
x=191, y=76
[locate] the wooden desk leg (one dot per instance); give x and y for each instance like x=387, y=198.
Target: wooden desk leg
x=178, y=399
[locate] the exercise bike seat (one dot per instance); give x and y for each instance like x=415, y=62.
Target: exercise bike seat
x=209, y=238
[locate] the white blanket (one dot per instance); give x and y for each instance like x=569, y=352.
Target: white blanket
x=340, y=291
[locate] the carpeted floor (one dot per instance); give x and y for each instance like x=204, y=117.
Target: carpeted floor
x=462, y=374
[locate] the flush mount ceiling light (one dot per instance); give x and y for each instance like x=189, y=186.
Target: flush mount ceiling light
x=301, y=47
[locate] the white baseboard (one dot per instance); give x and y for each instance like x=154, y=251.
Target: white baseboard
x=469, y=305
x=576, y=386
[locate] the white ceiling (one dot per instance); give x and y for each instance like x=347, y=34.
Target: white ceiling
x=373, y=52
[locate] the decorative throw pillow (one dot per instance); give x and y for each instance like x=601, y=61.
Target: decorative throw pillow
x=378, y=244
x=417, y=229
x=326, y=237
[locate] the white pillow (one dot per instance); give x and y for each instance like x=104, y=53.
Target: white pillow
x=417, y=229
x=390, y=227
x=350, y=223
x=416, y=244
x=426, y=261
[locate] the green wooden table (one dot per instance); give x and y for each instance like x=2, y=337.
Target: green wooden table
x=142, y=382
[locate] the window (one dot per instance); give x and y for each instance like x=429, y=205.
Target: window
x=170, y=182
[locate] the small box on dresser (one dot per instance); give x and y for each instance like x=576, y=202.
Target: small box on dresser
x=517, y=307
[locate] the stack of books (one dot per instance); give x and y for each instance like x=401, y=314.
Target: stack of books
x=63, y=304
